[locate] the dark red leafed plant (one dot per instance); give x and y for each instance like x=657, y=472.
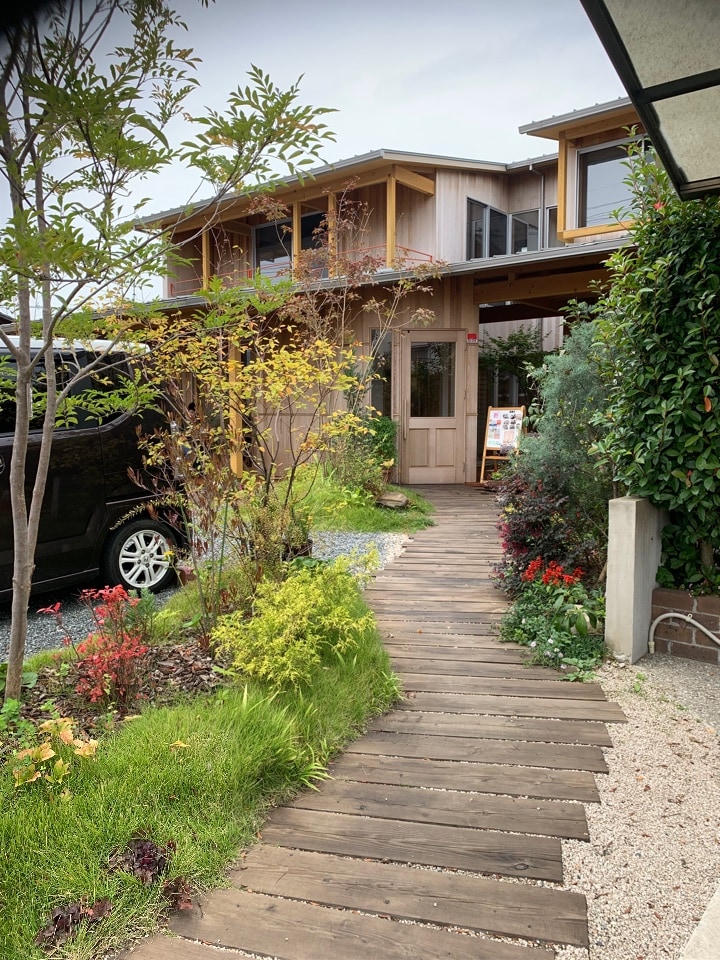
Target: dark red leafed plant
x=64, y=921
x=143, y=858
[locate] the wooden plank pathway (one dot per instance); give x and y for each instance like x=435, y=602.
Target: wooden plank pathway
x=415, y=847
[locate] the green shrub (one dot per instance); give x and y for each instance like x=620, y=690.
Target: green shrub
x=361, y=460
x=296, y=625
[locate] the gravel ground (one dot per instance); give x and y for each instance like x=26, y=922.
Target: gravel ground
x=43, y=632
x=653, y=861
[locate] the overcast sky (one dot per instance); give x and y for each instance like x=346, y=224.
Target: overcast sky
x=448, y=77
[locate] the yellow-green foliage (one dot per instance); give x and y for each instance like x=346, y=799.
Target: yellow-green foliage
x=296, y=625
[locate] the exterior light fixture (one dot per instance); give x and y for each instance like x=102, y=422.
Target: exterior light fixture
x=667, y=55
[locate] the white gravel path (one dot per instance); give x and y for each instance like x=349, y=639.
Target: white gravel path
x=653, y=861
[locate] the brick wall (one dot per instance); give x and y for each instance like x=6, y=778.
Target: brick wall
x=682, y=639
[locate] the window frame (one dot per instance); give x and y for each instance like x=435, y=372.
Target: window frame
x=581, y=180
x=284, y=230
x=518, y=216
x=487, y=213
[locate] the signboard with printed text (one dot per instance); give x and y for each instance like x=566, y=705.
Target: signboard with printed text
x=502, y=434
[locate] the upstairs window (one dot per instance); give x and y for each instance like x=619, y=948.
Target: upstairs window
x=272, y=243
x=601, y=187
x=487, y=233
x=525, y=234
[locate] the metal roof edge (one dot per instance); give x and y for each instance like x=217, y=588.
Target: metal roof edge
x=585, y=113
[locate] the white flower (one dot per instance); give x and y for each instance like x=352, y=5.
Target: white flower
x=534, y=643
x=550, y=639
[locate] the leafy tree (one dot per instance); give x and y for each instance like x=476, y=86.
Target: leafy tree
x=659, y=324
x=82, y=122
x=515, y=354
x=269, y=377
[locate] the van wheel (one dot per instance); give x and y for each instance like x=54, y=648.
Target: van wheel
x=138, y=556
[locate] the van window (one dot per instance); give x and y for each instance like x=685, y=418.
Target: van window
x=105, y=382
x=8, y=379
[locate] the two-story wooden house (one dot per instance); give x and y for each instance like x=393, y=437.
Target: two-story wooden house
x=516, y=241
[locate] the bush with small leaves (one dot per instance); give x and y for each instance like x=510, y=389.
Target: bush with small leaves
x=316, y=613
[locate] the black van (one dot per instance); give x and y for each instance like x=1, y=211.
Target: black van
x=85, y=531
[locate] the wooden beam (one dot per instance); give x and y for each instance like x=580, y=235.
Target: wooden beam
x=595, y=230
x=332, y=251
x=563, y=148
x=414, y=181
x=316, y=190
x=391, y=222
x=236, y=425
x=296, y=232
x=535, y=288
x=206, y=267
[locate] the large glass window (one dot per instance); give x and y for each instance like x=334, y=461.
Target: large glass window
x=476, y=230
x=273, y=243
x=551, y=228
x=524, y=231
x=602, y=190
x=432, y=379
x=487, y=232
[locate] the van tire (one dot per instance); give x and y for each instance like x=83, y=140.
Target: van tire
x=138, y=556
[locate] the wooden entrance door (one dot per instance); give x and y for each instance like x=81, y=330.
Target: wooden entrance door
x=433, y=390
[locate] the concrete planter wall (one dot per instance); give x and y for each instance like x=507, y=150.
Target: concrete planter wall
x=683, y=639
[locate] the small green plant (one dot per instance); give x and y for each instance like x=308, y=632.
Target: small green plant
x=29, y=677
x=295, y=625
x=14, y=729
x=638, y=685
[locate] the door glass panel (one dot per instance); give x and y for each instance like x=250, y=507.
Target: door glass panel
x=381, y=386
x=432, y=379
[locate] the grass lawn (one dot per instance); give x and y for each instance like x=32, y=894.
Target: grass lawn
x=190, y=782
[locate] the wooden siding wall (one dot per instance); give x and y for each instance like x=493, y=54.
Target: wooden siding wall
x=416, y=220
x=525, y=189
x=182, y=275
x=453, y=189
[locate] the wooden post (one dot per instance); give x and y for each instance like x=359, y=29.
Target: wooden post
x=332, y=251
x=391, y=222
x=236, y=424
x=206, y=258
x=296, y=233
